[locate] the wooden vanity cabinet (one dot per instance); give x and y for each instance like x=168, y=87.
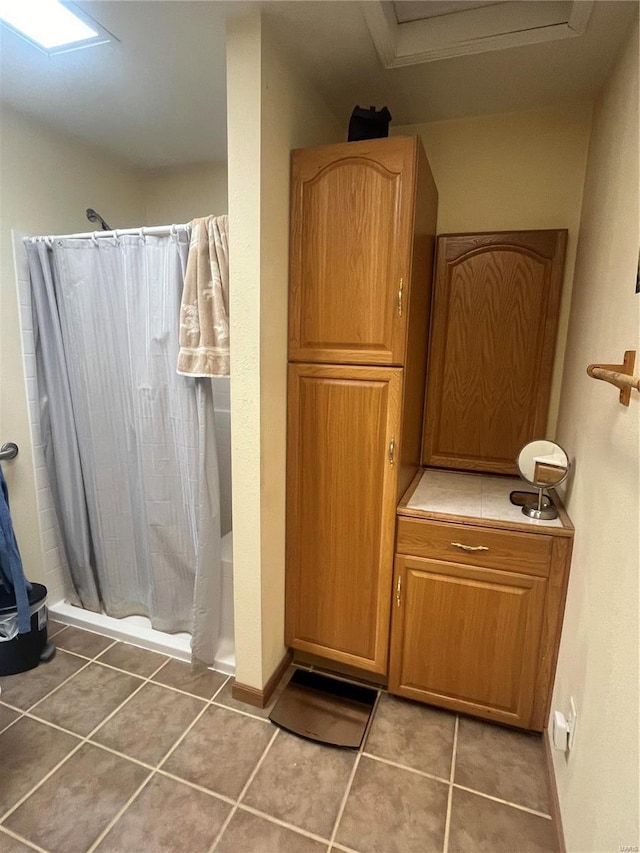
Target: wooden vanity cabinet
x=477, y=615
x=363, y=217
x=492, y=345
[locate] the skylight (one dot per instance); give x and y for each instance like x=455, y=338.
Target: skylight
x=52, y=26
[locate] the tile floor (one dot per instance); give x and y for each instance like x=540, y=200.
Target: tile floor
x=120, y=750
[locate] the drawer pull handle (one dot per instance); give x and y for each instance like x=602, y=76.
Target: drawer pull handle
x=469, y=547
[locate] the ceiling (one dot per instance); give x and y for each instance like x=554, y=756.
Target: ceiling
x=158, y=96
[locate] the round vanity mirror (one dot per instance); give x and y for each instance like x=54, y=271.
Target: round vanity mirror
x=543, y=464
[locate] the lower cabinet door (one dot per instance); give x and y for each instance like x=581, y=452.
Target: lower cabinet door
x=342, y=460
x=466, y=638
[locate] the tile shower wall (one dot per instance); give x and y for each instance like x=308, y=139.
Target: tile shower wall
x=55, y=566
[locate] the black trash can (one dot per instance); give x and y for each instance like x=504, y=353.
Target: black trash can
x=20, y=652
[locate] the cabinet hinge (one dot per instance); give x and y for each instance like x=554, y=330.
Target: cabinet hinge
x=398, y=587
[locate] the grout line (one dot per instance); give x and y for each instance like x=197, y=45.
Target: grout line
x=13, y=722
x=252, y=776
x=200, y=713
x=336, y=846
x=271, y=819
x=405, y=767
x=343, y=801
x=47, y=776
x=229, y=800
x=356, y=763
x=447, y=821
x=5, y=831
x=504, y=802
x=119, y=814
x=57, y=687
x=238, y=711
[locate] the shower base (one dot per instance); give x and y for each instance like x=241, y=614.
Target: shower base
x=137, y=630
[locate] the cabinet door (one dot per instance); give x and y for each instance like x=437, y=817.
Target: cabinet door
x=493, y=337
x=466, y=638
x=341, y=511
x=351, y=242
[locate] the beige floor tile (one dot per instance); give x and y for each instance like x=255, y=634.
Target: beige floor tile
x=25, y=689
x=390, y=810
x=479, y=825
x=132, y=659
x=302, y=783
x=82, y=642
x=203, y=683
x=87, y=699
x=150, y=723
x=502, y=762
x=70, y=810
x=28, y=751
x=167, y=817
x=412, y=734
x=251, y=834
x=220, y=751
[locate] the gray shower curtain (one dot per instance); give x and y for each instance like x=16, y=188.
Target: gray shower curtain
x=130, y=444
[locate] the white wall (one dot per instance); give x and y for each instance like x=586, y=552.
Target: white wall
x=598, y=664
x=183, y=193
x=47, y=180
x=513, y=171
x=271, y=109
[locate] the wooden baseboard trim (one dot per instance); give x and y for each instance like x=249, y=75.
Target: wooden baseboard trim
x=554, y=801
x=260, y=698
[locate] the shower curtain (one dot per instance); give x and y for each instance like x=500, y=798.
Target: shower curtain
x=129, y=443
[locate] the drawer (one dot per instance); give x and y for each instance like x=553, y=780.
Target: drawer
x=475, y=546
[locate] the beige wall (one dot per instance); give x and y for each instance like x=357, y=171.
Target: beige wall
x=271, y=109
x=47, y=180
x=183, y=193
x=598, y=665
x=513, y=171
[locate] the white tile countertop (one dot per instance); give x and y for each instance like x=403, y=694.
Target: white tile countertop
x=474, y=496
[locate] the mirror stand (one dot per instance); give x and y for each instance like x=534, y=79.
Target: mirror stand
x=541, y=508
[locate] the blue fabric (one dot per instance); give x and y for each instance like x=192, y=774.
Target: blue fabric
x=11, y=573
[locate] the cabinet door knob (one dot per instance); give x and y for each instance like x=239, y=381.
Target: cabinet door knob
x=469, y=547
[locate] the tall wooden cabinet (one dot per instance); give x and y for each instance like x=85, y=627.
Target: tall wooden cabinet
x=363, y=219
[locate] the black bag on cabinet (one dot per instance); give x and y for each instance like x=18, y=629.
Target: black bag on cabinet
x=368, y=124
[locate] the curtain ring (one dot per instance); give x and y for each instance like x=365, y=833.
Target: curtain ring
x=48, y=241
x=94, y=237
x=117, y=236
x=143, y=233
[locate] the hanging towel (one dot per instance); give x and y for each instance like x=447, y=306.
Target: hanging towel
x=11, y=573
x=204, y=312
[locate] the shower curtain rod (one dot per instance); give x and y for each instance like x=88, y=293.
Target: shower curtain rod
x=154, y=231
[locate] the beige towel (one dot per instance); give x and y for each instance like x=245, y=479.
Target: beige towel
x=204, y=312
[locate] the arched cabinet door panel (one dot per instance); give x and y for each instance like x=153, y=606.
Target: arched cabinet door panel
x=352, y=218
x=493, y=337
